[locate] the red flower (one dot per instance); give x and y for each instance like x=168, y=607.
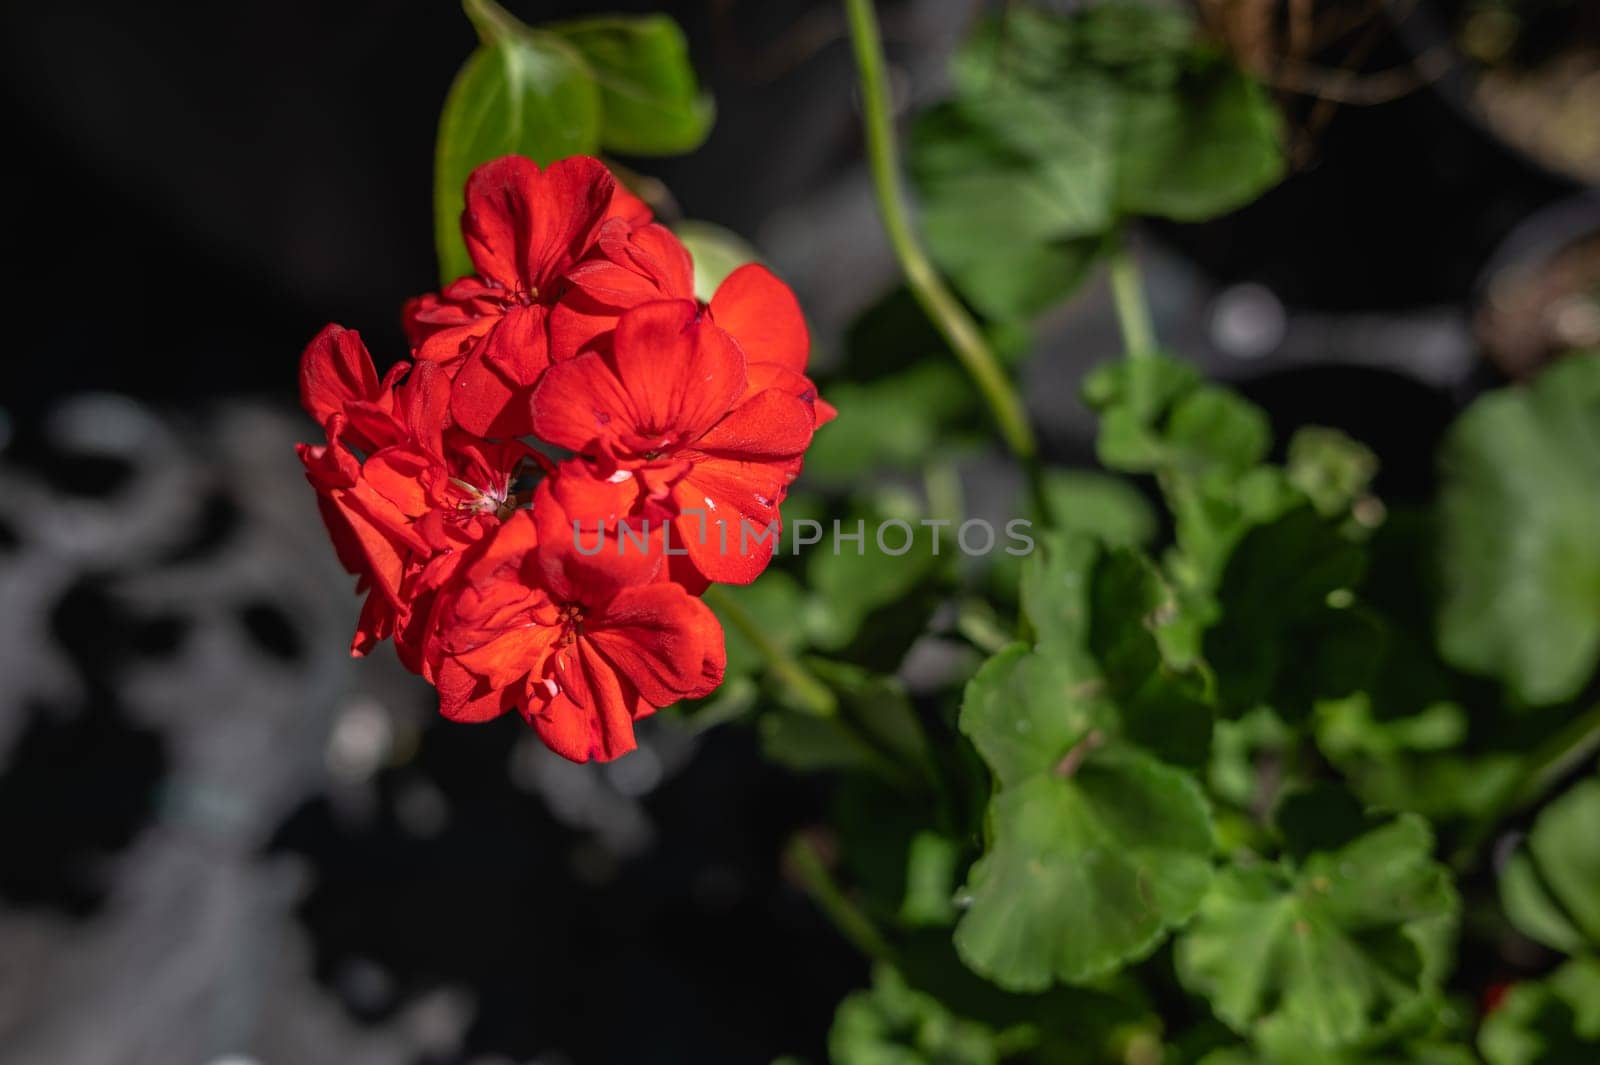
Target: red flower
x=399, y=517
x=524, y=228
x=668, y=417
x=688, y=421
x=631, y=265
x=582, y=646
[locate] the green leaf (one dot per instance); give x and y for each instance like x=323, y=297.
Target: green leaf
x=1417, y=1054
x=1280, y=641
x=522, y=92
x=875, y=729
x=1554, y=1021
x=976, y=183
x=1061, y=126
x=1085, y=872
x=1056, y=581
x=773, y=602
x=1238, y=747
x=1024, y=710
x=931, y=872
x=1108, y=508
x=895, y=422
x=1200, y=147
x=1163, y=710
x=1520, y=505
x=650, y=98
x=1551, y=891
x=1342, y=949
x=886, y=577
x=1213, y=430
x=894, y=1024
x=1410, y=762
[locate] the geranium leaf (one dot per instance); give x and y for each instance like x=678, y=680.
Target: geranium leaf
x=1163, y=710
x=1061, y=126
x=1520, y=505
x=1056, y=582
x=1335, y=951
x=1086, y=871
x=1280, y=642
x=1024, y=710
x=1201, y=146
x=651, y=103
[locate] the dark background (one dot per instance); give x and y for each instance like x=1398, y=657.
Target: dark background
x=191, y=192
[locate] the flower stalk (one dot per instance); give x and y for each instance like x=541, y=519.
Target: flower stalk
x=1133, y=311
x=810, y=693
x=934, y=296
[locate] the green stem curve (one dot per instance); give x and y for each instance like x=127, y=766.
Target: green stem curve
x=935, y=298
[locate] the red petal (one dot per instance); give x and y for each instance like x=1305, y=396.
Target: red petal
x=525, y=228
x=592, y=562
x=578, y=402
x=580, y=323
x=335, y=370
x=770, y=424
x=424, y=405
x=467, y=698
x=667, y=643
x=681, y=373
x=615, y=286
x=654, y=253
x=397, y=475
x=728, y=507
x=508, y=658
x=517, y=345
x=763, y=316
x=485, y=403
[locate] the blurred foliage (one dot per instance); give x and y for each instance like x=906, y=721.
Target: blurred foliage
x=1061, y=126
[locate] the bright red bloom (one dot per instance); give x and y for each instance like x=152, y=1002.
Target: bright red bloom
x=688, y=421
x=524, y=228
x=582, y=646
x=399, y=517
x=631, y=265
x=668, y=417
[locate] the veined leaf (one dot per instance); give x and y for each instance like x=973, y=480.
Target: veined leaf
x=1337, y=951
x=1085, y=872
x=1521, y=559
x=1096, y=849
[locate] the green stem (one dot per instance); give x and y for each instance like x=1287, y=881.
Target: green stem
x=1133, y=312
x=811, y=694
x=947, y=313
x=1547, y=766
x=809, y=868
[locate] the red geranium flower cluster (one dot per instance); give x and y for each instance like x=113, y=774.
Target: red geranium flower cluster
x=568, y=590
